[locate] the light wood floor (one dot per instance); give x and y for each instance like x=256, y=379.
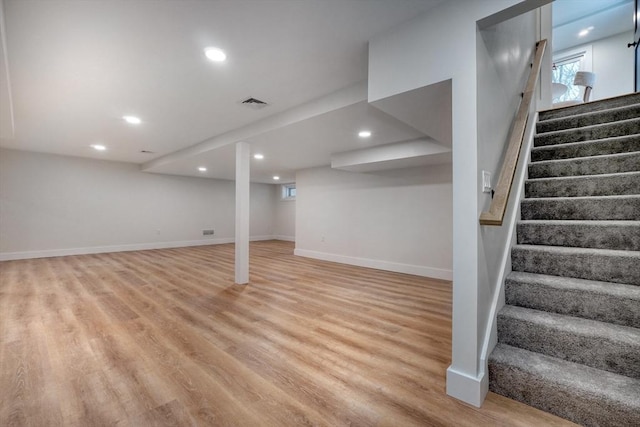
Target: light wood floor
x=164, y=337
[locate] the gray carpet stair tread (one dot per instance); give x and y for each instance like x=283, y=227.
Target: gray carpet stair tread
x=588, y=208
x=620, y=235
x=603, y=301
x=589, y=118
x=582, y=166
x=587, y=133
x=613, y=145
x=598, y=105
x=598, y=398
x=583, y=263
x=624, y=183
x=601, y=345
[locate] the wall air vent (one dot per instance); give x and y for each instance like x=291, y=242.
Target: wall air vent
x=254, y=103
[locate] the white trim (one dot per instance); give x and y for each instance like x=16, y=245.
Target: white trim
x=285, y=238
x=8, y=256
x=497, y=302
x=261, y=238
x=418, y=270
x=11, y=256
x=469, y=389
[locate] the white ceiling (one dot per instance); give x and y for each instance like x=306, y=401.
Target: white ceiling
x=76, y=67
x=303, y=144
x=71, y=69
x=607, y=17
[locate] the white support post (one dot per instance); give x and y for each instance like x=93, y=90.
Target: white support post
x=243, y=157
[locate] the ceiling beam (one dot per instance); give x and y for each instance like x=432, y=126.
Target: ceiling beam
x=336, y=100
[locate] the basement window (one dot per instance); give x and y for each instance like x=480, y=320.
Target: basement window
x=289, y=192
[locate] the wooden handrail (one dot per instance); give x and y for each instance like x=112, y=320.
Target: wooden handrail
x=495, y=214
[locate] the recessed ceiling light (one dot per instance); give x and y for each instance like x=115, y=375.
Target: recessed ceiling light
x=258, y=156
x=132, y=120
x=585, y=32
x=215, y=54
x=98, y=147
x=275, y=178
x=364, y=134
x=202, y=169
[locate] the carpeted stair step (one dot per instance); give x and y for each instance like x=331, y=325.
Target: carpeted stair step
x=569, y=334
x=587, y=208
x=588, y=133
x=623, y=144
x=601, y=345
x=594, y=165
x=588, y=119
x=626, y=183
x=618, y=235
x=584, y=395
x=605, y=265
x=602, y=301
x=603, y=104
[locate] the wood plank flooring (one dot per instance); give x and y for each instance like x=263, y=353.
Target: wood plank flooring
x=164, y=337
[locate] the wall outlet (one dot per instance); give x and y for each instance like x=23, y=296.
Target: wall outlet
x=207, y=232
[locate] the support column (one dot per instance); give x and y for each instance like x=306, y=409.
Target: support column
x=243, y=162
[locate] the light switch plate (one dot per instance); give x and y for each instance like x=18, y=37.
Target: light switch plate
x=486, y=182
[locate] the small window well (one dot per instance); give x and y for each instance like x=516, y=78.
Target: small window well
x=289, y=192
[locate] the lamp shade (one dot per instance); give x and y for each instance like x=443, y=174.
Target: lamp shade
x=584, y=78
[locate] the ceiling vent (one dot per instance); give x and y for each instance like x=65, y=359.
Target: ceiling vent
x=254, y=103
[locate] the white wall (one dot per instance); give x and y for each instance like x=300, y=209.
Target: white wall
x=435, y=47
x=393, y=220
x=285, y=221
x=504, y=53
x=613, y=64
x=52, y=205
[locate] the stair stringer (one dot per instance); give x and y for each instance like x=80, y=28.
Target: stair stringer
x=490, y=336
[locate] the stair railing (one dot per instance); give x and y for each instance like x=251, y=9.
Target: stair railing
x=495, y=214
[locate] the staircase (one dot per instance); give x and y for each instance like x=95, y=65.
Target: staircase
x=569, y=334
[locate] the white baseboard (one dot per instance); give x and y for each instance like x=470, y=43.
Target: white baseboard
x=257, y=238
x=469, y=389
x=285, y=238
x=417, y=270
x=10, y=256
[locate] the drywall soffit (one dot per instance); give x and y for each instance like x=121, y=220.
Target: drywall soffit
x=419, y=152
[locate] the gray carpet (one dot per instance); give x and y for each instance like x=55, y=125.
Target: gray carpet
x=569, y=334
x=593, y=165
x=584, y=149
